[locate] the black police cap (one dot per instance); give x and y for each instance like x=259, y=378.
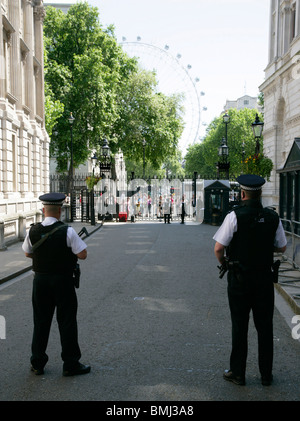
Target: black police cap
x=251, y=182
x=52, y=199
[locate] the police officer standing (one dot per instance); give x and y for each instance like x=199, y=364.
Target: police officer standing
x=54, y=259
x=250, y=234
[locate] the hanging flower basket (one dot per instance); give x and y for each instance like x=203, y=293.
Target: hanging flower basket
x=91, y=181
x=258, y=164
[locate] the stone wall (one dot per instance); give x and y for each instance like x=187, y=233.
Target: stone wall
x=281, y=90
x=24, y=142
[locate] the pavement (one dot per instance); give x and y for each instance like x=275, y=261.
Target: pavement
x=14, y=263
x=153, y=323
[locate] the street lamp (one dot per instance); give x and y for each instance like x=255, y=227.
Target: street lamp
x=243, y=155
x=257, y=128
x=71, y=121
x=226, y=120
x=223, y=150
x=105, y=157
x=94, y=159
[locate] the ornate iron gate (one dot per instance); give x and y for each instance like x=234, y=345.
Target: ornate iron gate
x=138, y=199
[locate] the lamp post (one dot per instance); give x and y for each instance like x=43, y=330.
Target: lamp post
x=94, y=162
x=226, y=120
x=104, y=161
x=223, y=153
x=71, y=121
x=243, y=156
x=257, y=128
x=144, y=146
x=105, y=157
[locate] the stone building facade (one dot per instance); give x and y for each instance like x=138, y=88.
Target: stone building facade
x=24, y=143
x=281, y=90
x=246, y=101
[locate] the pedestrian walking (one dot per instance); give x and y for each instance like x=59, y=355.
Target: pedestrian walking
x=54, y=248
x=160, y=211
x=182, y=209
x=167, y=210
x=250, y=234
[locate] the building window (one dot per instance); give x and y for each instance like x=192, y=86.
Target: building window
x=5, y=63
x=293, y=22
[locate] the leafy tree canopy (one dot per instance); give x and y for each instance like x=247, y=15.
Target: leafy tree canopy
x=203, y=157
x=89, y=74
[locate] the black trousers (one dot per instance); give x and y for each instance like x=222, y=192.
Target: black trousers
x=167, y=217
x=251, y=291
x=50, y=292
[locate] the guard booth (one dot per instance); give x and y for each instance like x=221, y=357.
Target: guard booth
x=215, y=201
x=289, y=207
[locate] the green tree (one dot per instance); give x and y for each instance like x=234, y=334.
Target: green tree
x=145, y=115
x=204, y=156
x=53, y=108
x=171, y=167
x=85, y=66
x=109, y=96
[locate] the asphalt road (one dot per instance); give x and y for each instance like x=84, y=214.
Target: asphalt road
x=153, y=323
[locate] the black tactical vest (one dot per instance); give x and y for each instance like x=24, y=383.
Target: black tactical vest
x=53, y=255
x=253, y=243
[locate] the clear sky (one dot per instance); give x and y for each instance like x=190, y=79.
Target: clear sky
x=225, y=41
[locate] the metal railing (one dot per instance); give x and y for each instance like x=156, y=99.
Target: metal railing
x=291, y=255
x=292, y=230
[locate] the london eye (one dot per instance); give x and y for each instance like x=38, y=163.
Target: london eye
x=173, y=77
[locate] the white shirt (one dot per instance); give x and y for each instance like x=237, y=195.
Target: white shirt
x=229, y=227
x=73, y=240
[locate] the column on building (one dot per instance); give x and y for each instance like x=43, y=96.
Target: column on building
x=286, y=27
x=15, y=62
x=2, y=63
x=273, y=35
x=29, y=70
x=297, y=18
x=39, y=14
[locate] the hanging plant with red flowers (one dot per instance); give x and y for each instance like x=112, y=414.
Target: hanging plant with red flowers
x=258, y=164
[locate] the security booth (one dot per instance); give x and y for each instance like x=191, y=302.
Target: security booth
x=216, y=201
x=289, y=204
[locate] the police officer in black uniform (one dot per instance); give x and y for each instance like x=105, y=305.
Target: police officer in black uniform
x=54, y=261
x=250, y=234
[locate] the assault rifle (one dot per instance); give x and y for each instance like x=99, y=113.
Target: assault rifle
x=223, y=268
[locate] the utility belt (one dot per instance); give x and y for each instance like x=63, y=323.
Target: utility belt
x=75, y=274
x=238, y=268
